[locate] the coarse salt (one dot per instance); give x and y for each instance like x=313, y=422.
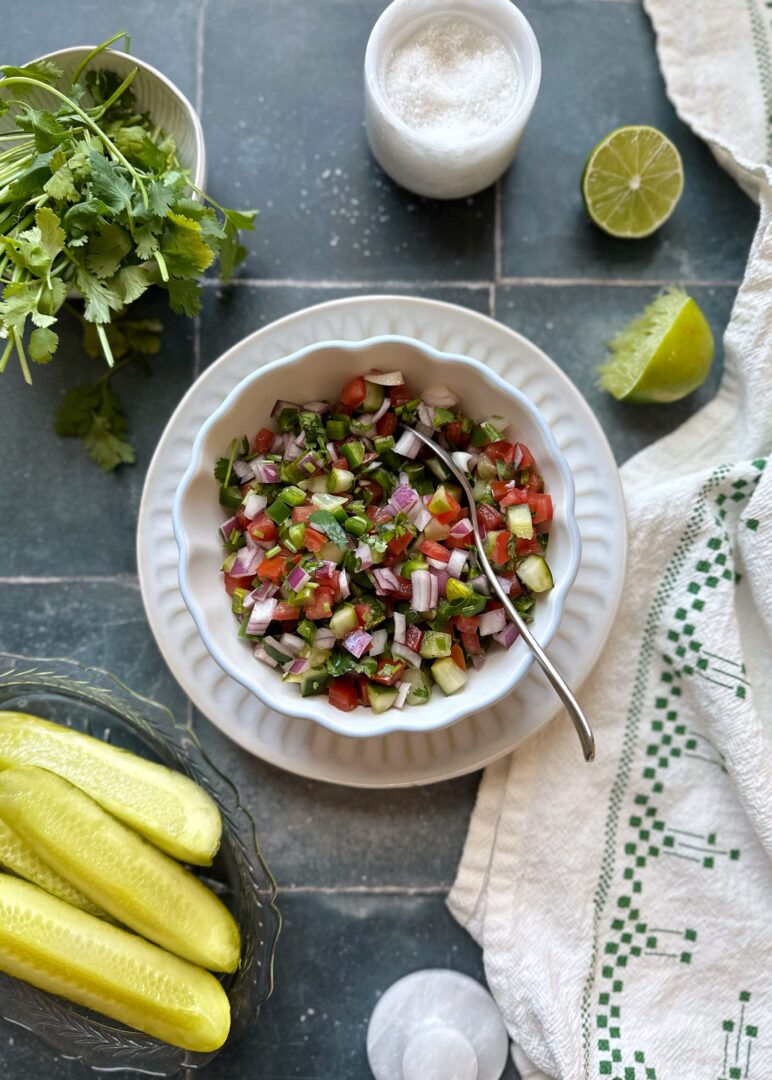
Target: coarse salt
x=452, y=80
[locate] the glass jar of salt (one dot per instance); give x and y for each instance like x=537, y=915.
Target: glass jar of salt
x=449, y=87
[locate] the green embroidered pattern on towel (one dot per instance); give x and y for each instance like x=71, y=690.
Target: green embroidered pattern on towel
x=672, y=641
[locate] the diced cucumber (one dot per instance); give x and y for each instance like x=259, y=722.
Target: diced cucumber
x=279, y=511
x=435, y=645
x=381, y=697
x=383, y=443
x=448, y=675
x=354, y=453
x=318, y=484
x=276, y=651
x=296, y=534
x=414, y=470
x=415, y=562
x=330, y=552
x=420, y=686
x=317, y=658
x=457, y=590
x=485, y=433
x=336, y=428
x=435, y=530
x=534, y=572
x=519, y=521
x=486, y=469
x=314, y=681
x=344, y=621
x=373, y=398
x=439, y=470
x=357, y=525
x=334, y=503
x=340, y=480
x=292, y=495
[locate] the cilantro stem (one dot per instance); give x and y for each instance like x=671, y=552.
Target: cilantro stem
x=162, y=265
x=19, y=343
x=231, y=456
x=20, y=80
x=99, y=113
x=108, y=352
x=100, y=49
x=6, y=355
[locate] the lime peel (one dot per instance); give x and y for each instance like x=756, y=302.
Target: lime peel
x=663, y=354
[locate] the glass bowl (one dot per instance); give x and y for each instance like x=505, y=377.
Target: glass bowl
x=94, y=701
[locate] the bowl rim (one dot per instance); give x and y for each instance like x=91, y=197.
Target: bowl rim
x=198, y=174
x=304, y=708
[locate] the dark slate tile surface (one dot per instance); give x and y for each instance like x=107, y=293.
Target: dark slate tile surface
x=573, y=323
x=599, y=73
x=231, y=312
x=65, y=516
x=409, y=838
x=337, y=955
x=287, y=137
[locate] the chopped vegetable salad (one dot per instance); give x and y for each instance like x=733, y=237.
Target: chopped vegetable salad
x=350, y=558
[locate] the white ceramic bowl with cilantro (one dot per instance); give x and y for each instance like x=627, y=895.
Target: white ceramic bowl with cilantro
x=321, y=370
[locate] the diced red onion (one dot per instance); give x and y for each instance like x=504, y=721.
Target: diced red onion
x=344, y=589
x=386, y=579
x=378, y=644
x=365, y=556
x=400, y=627
x=292, y=450
x=279, y=441
x=408, y=445
x=508, y=636
x=281, y=405
x=419, y=515
x=247, y=561
x=292, y=642
x=267, y=472
x=402, y=692
x=492, y=622
x=478, y=661
x=439, y=397
x=261, y=654
x=481, y=585
x=318, y=407
x=300, y=438
x=422, y=590
x=264, y=591
x=402, y=651
x=388, y=378
x=297, y=578
x=517, y=458
x=404, y=480
x=331, y=451
x=324, y=638
x=440, y=578
x=461, y=529
x=228, y=526
x=297, y=667
x=402, y=499
x=254, y=504
x=437, y=564
x=505, y=583
x=464, y=461
x=383, y=410
x=426, y=415
x=434, y=590
x=260, y=616
x=242, y=470
x=310, y=463
x=456, y=563
x=357, y=643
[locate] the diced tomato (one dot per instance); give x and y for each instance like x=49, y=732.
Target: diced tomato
x=500, y=488
x=449, y=516
x=327, y=576
x=363, y=612
x=273, y=569
x=376, y=491
x=399, y=395
x=262, y=441
x=527, y=547
x=343, y=409
x=398, y=544
x=500, y=451
x=534, y=482
x=378, y=514
x=387, y=424
x=313, y=540
x=455, y=542
x=405, y=590
x=340, y=463
x=433, y=550
x=343, y=695
x=456, y=435
x=541, y=507
x=388, y=671
x=286, y=612
x=500, y=553
x=364, y=693
x=490, y=517
x=262, y=528
x=302, y=513
x=514, y=497
x=354, y=392
x=466, y=624
x=471, y=643
x=413, y=637
x=319, y=606
x=526, y=457
x=457, y=656
x=239, y=581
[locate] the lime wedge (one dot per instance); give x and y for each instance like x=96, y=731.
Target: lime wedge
x=66, y=951
x=117, y=869
x=16, y=855
x=663, y=354
x=632, y=181
x=165, y=806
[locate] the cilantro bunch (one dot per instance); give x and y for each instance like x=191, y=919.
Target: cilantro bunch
x=94, y=202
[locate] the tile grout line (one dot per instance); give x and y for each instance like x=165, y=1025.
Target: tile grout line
x=483, y=283
x=497, y=236
x=130, y=580
x=200, y=19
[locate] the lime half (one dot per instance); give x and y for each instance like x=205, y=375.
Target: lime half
x=632, y=181
x=663, y=354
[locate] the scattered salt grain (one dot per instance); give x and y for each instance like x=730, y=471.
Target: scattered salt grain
x=452, y=80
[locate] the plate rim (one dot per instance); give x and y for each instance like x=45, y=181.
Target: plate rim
x=487, y=324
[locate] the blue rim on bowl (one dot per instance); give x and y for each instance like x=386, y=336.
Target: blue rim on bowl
x=316, y=708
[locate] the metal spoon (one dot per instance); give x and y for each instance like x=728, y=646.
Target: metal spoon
x=583, y=729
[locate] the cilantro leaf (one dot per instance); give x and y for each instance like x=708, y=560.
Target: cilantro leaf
x=94, y=414
x=130, y=282
x=45, y=128
x=324, y=520
x=61, y=186
x=186, y=252
x=106, y=249
x=100, y=298
x=42, y=345
x=109, y=183
x=184, y=296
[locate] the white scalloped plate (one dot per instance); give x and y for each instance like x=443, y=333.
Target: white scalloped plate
x=400, y=759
